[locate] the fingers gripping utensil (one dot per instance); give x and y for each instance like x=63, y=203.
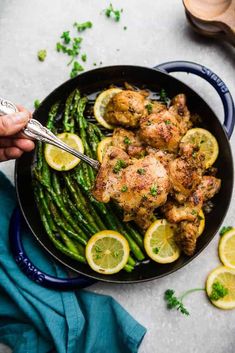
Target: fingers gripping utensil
x=36, y=131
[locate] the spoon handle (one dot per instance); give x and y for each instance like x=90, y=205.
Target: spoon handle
x=35, y=130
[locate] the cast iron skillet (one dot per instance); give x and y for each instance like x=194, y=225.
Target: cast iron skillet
x=96, y=80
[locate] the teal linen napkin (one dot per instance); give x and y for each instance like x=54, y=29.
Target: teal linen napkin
x=34, y=319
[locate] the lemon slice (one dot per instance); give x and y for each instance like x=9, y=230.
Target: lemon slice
x=101, y=103
x=206, y=143
x=226, y=277
x=107, y=252
x=102, y=148
x=59, y=159
x=227, y=248
x=159, y=242
x=202, y=223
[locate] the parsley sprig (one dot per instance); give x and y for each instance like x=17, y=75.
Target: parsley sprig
x=174, y=302
x=72, y=47
x=110, y=12
x=218, y=291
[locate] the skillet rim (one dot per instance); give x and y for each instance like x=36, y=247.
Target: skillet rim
x=187, y=259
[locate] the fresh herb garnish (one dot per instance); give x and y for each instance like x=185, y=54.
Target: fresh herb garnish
x=155, y=250
x=97, y=248
x=163, y=96
x=193, y=212
x=66, y=37
x=76, y=69
x=224, y=230
x=149, y=123
x=119, y=165
x=218, y=291
x=149, y=108
x=82, y=26
x=111, y=12
x=84, y=57
x=141, y=171
x=174, y=303
x=127, y=140
x=153, y=190
x=36, y=103
x=42, y=54
x=124, y=188
x=167, y=122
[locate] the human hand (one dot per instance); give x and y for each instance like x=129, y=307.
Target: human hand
x=12, y=142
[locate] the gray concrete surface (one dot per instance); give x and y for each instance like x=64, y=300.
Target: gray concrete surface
x=157, y=31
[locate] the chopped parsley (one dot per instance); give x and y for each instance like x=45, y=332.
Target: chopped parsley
x=141, y=171
x=149, y=123
x=119, y=165
x=36, y=103
x=110, y=12
x=42, y=54
x=149, y=108
x=193, y=212
x=155, y=250
x=125, y=28
x=82, y=26
x=224, y=230
x=153, y=190
x=76, y=69
x=127, y=140
x=163, y=96
x=124, y=188
x=167, y=122
x=66, y=37
x=218, y=291
x=84, y=57
x=97, y=248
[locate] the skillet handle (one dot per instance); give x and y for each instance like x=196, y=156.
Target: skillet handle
x=213, y=79
x=31, y=271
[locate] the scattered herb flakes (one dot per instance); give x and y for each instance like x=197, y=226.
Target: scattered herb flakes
x=110, y=12
x=82, y=26
x=94, y=64
x=224, y=230
x=36, y=103
x=84, y=57
x=66, y=37
x=155, y=250
x=149, y=108
x=115, y=254
x=125, y=28
x=163, y=96
x=149, y=123
x=141, y=171
x=124, y=188
x=97, y=248
x=167, y=122
x=76, y=69
x=42, y=54
x=194, y=212
x=153, y=190
x=119, y=165
x=127, y=141
x=218, y=291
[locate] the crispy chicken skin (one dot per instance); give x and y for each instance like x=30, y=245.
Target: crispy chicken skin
x=139, y=188
x=126, y=108
x=186, y=215
x=164, y=128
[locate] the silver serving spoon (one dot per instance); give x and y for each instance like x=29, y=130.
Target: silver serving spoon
x=37, y=131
